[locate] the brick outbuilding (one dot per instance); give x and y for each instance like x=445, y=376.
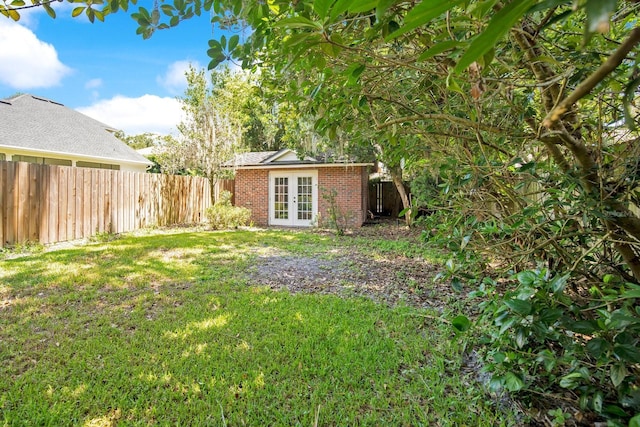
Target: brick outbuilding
x=281, y=189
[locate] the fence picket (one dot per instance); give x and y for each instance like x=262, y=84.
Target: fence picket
x=3, y=203
x=48, y=203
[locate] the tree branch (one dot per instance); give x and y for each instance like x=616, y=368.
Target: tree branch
x=596, y=77
x=453, y=119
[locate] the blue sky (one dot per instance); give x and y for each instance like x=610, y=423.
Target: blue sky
x=103, y=70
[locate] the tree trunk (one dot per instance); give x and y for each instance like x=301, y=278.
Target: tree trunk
x=212, y=185
x=396, y=177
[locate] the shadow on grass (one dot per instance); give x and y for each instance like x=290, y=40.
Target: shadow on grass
x=164, y=329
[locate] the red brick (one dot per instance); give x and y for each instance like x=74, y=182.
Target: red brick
x=349, y=182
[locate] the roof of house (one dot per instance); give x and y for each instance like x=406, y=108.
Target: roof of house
x=255, y=158
x=33, y=123
x=283, y=158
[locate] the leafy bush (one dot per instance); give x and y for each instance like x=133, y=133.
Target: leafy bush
x=222, y=215
x=542, y=337
x=336, y=218
x=573, y=334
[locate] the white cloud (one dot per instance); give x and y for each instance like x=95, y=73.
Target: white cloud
x=148, y=113
x=174, y=79
x=25, y=61
x=93, y=83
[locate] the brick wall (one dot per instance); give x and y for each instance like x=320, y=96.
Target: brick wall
x=252, y=191
x=349, y=183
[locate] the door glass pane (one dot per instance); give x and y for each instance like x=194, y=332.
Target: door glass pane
x=281, y=198
x=305, y=201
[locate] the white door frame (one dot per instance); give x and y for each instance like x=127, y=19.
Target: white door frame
x=289, y=187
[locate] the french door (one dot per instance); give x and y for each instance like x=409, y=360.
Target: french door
x=293, y=198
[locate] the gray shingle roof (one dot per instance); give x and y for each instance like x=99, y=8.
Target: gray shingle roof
x=30, y=122
x=266, y=158
x=253, y=158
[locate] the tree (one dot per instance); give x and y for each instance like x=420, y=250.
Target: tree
x=210, y=135
x=139, y=141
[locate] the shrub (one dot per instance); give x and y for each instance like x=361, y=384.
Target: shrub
x=541, y=338
x=222, y=215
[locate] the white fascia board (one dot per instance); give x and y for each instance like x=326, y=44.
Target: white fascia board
x=70, y=156
x=300, y=166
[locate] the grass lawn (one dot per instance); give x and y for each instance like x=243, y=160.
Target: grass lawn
x=166, y=328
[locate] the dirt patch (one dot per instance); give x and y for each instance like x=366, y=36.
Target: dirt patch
x=346, y=272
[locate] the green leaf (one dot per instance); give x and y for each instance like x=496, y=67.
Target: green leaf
x=77, y=11
x=480, y=8
x=453, y=85
x=422, y=14
x=461, y=323
x=340, y=7
x=521, y=337
x=519, y=306
x=558, y=283
x=618, y=374
x=321, y=7
x=382, y=7
x=91, y=15
x=598, y=14
x=359, y=6
x=465, y=241
x=527, y=278
x=571, y=380
x=583, y=327
x=496, y=384
x=597, y=347
x=627, y=352
x=99, y=15
x=17, y=3
x=299, y=22
x=513, y=382
x=548, y=359
x=49, y=10
x=358, y=70
x=633, y=293
x=438, y=49
x=550, y=315
x=635, y=421
x=450, y=264
x=499, y=25
x=214, y=52
x=598, y=398
x=233, y=42
x=167, y=9
x=331, y=49
x=615, y=410
x=548, y=4
x=507, y=324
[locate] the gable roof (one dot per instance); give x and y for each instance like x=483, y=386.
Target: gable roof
x=32, y=123
x=285, y=158
x=252, y=158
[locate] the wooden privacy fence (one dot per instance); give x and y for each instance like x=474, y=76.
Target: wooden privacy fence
x=48, y=204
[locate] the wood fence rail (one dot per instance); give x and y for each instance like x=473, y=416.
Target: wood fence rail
x=48, y=204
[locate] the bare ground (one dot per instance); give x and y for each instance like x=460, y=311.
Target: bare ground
x=345, y=271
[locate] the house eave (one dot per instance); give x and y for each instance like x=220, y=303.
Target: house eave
x=298, y=166
x=69, y=155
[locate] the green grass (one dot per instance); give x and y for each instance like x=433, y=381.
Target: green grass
x=165, y=329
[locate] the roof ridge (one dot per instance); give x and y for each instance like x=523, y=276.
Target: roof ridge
x=39, y=98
